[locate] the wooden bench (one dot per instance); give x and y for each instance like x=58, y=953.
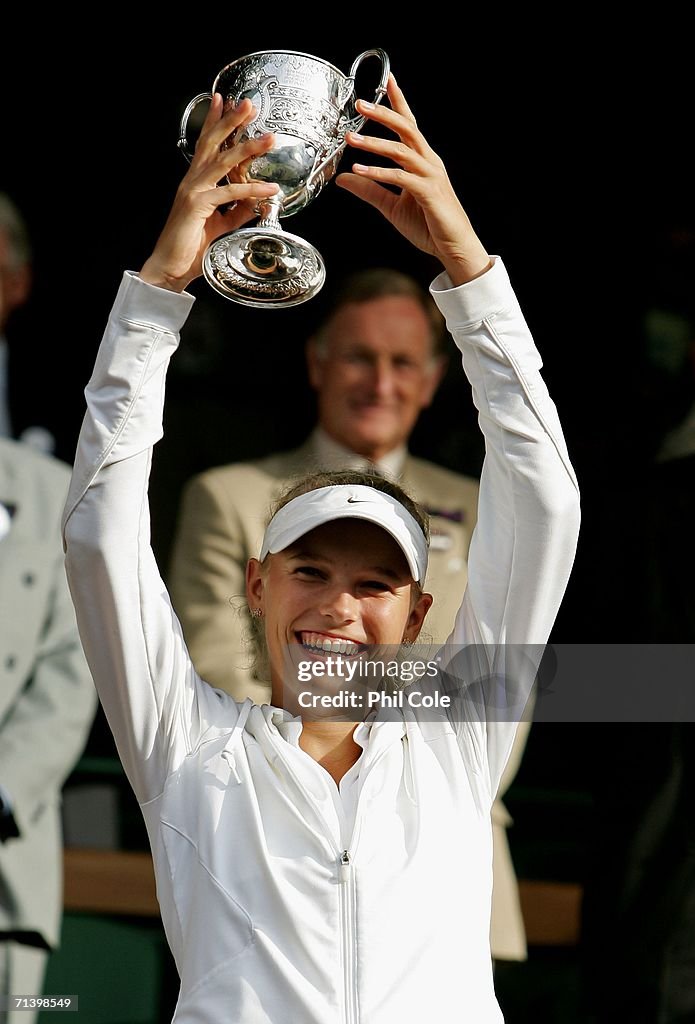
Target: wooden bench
x=122, y=882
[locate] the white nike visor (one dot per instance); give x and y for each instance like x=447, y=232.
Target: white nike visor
x=348, y=501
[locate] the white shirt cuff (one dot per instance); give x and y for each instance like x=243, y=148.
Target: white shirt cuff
x=476, y=300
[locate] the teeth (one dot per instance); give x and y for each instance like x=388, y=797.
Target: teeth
x=329, y=645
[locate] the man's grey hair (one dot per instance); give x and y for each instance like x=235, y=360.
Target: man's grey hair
x=379, y=283
x=13, y=226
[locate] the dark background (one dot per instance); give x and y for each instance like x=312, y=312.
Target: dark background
x=569, y=142
x=568, y=145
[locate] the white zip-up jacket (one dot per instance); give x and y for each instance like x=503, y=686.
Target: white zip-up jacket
x=272, y=916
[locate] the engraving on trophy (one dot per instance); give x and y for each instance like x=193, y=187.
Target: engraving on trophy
x=296, y=112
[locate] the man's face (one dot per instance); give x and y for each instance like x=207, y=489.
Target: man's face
x=373, y=373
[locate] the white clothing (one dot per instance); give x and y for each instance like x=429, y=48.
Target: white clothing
x=22, y=972
x=271, y=916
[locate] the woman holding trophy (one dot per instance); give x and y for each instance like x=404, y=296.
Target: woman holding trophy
x=313, y=870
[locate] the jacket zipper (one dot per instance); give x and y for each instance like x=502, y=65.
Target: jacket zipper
x=347, y=915
x=346, y=876
x=346, y=881
x=347, y=904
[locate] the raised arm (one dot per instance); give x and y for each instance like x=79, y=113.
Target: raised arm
x=153, y=699
x=524, y=543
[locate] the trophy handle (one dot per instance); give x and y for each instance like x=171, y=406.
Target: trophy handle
x=183, y=130
x=355, y=123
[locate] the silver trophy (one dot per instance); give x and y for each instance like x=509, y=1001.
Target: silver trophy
x=308, y=105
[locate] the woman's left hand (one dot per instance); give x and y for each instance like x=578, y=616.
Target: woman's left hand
x=426, y=211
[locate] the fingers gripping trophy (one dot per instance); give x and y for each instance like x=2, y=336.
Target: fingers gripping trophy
x=308, y=105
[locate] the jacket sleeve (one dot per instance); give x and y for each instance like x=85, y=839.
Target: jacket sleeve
x=155, y=704
x=524, y=543
x=207, y=580
x=46, y=728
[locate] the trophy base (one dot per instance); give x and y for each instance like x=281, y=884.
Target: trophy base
x=264, y=267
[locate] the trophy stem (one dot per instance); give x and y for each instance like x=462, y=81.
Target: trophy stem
x=269, y=209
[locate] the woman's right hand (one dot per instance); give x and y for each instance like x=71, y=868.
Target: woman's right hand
x=416, y=195
x=195, y=219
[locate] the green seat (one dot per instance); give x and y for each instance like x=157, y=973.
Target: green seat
x=119, y=967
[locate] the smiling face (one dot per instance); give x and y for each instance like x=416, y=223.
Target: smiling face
x=374, y=371
x=343, y=584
